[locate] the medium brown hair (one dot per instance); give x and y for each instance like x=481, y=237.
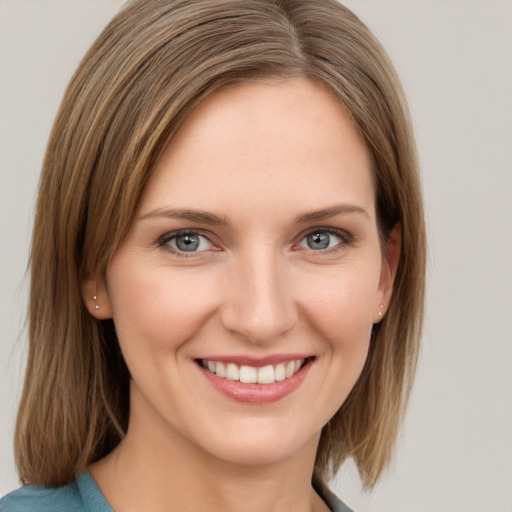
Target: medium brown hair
x=154, y=62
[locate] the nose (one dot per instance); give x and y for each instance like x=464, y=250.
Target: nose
x=259, y=305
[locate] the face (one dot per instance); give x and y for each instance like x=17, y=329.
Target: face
x=245, y=292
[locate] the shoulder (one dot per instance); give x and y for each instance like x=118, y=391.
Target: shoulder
x=81, y=495
x=335, y=504
x=32, y=498
x=330, y=499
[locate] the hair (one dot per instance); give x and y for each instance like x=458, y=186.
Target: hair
x=148, y=69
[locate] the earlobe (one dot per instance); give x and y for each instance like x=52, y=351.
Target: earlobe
x=95, y=297
x=390, y=261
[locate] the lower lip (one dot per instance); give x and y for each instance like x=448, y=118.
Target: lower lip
x=257, y=393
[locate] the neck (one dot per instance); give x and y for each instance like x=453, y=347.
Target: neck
x=153, y=468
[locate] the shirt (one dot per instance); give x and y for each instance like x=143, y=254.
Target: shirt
x=83, y=495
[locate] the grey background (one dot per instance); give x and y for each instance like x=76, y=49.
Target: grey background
x=455, y=59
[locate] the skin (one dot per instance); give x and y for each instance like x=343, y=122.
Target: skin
x=260, y=157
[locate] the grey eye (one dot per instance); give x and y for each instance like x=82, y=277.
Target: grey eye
x=321, y=240
x=318, y=240
x=189, y=242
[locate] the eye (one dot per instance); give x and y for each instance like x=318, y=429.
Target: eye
x=322, y=239
x=186, y=242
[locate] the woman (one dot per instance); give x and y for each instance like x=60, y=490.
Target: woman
x=227, y=264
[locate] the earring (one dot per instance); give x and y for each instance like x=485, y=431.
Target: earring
x=95, y=298
x=381, y=307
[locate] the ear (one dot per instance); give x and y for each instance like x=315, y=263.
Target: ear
x=94, y=294
x=390, y=261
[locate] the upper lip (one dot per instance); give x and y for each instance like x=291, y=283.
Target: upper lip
x=256, y=361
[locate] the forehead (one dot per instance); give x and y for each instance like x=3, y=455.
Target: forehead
x=264, y=142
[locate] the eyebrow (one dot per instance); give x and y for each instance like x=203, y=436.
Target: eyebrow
x=187, y=214
x=341, y=209
x=211, y=219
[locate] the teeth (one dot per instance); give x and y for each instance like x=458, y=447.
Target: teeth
x=279, y=372
x=250, y=374
x=232, y=372
x=220, y=369
x=266, y=374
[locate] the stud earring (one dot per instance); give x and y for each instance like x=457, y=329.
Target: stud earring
x=381, y=307
x=95, y=298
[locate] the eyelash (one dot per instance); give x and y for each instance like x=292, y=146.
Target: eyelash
x=163, y=242
x=346, y=240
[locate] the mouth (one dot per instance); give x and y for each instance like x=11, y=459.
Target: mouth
x=261, y=382
x=247, y=374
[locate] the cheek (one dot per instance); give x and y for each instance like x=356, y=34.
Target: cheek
x=158, y=309
x=341, y=307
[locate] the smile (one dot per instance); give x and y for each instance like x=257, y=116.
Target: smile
x=256, y=382
x=246, y=374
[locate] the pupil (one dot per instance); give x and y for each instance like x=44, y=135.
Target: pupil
x=318, y=241
x=187, y=243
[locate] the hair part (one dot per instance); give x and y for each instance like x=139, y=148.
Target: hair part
x=145, y=73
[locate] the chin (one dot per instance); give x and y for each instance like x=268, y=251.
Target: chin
x=260, y=444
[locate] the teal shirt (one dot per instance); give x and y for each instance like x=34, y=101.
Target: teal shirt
x=83, y=495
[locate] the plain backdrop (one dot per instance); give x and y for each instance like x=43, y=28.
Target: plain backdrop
x=455, y=59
